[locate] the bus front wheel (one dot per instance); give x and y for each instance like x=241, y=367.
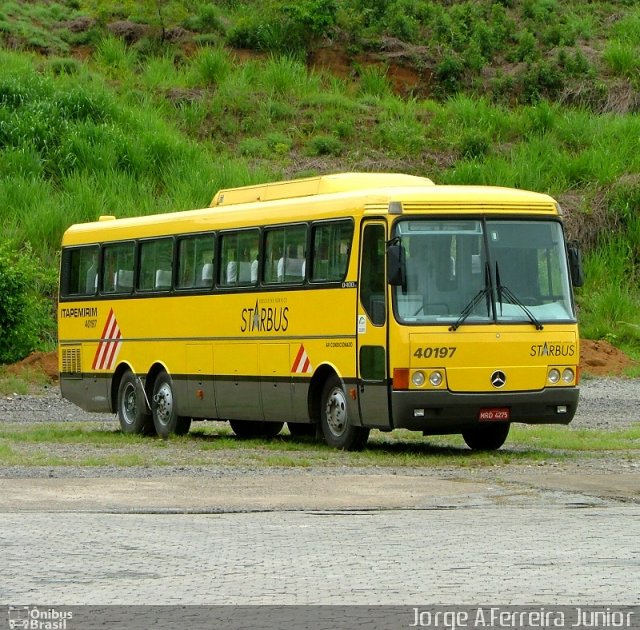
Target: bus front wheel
x=165, y=410
x=334, y=418
x=488, y=437
x=132, y=408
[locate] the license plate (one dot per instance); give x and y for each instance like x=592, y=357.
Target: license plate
x=494, y=414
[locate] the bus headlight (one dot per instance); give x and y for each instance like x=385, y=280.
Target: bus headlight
x=554, y=376
x=568, y=375
x=417, y=378
x=435, y=378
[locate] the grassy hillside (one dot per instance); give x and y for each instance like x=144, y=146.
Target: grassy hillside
x=141, y=107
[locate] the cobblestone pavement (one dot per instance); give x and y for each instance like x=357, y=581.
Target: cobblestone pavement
x=548, y=534
x=521, y=554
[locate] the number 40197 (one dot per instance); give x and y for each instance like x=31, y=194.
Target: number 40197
x=437, y=352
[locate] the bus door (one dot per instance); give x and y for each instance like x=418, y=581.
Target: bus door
x=372, y=326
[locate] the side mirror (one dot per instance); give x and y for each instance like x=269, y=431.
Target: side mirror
x=396, y=267
x=574, y=256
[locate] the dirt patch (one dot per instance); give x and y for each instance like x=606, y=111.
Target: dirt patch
x=45, y=362
x=602, y=359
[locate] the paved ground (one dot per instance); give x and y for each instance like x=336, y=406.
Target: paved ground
x=506, y=555
x=544, y=534
x=456, y=540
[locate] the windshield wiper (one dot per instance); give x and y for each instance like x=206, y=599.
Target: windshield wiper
x=513, y=299
x=468, y=309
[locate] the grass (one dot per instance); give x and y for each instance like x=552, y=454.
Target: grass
x=28, y=381
x=212, y=444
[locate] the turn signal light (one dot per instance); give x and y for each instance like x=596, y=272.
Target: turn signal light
x=401, y=378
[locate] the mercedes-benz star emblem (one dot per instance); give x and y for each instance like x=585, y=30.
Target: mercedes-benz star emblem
x=498, y=379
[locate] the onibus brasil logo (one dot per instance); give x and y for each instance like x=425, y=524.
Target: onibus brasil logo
x=34, y=618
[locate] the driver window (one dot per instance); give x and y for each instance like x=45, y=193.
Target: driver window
x=372, y=276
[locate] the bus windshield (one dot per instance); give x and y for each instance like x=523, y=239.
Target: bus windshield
x=462, y=271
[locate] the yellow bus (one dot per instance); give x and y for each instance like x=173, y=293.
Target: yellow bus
x=337, y=304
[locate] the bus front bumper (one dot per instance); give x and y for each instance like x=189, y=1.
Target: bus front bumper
x=442, y=412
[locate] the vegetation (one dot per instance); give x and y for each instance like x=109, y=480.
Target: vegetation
x=133, y=108
x=96, y=444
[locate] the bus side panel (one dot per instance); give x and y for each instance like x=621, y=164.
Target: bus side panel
x=90, y=394
x=197, y=395
x=300, y=400
x=275, y=382
x=237, y=387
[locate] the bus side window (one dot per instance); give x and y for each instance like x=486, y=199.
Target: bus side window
x=331, y=244
x=285, y=258
x=156, y=261
x=195, y=261
x=80, y=271
x=117, y=275
x=239, y=258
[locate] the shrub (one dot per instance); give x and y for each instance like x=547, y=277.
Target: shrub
x=403, y=25
x=286, y=29
x=279, y=143
x=575, y=64
x=113, y=54
x=449, y=74
x=475, y=144
x=26, y=318
x=624, y=198
x=622, y=58
x=542, y=79
x=374, y=81
x=211, y=66
x=63, y=65
x=253, y=147
x=324, y=145
x=527, y=48
x=205, y=20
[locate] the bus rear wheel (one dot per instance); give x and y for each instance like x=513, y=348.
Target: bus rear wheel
x=488, y=437
x=132, y=407
x=334, y=419
x=250, y=429
x=164, y=409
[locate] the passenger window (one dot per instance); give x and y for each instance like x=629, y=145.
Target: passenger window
x=285, y=255
x=117, y=276
x=196, y=256
x=156, y=259
x=331, y=246
x=80, y=271
x=239, y=259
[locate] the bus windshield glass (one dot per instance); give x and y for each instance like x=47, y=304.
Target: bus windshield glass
x=465, y=271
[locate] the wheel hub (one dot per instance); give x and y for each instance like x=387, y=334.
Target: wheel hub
x=164, y=404
x=336, y=411
x=130, y=404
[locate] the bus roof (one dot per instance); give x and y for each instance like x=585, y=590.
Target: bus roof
x=323, y=185
x=327, y=197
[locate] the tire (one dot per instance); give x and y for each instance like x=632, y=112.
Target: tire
x=301, y=430
x=334, y=418
x=488, y=437
x=164, y=409
x=132, y=407
x=247, y=429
